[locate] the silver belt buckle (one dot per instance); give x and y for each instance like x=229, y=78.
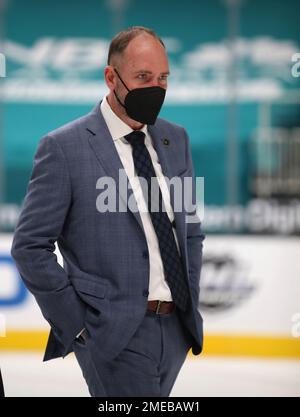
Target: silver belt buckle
x=158, y=306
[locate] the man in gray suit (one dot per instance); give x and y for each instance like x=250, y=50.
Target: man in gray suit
x=125, y=300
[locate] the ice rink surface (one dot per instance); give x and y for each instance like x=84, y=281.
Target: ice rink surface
x=25, y=375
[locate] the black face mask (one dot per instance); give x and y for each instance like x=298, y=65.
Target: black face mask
x=143, y=104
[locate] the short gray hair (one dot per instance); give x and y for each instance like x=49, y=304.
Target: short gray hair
x=122, y=39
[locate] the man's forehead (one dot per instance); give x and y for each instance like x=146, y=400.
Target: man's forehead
x=144, y=38
x=140, y=53
x=143, y=44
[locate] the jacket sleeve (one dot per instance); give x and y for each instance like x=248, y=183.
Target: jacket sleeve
x=40, y=224
x=195, y=236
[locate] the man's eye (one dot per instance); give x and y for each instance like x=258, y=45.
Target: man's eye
x=142, y=76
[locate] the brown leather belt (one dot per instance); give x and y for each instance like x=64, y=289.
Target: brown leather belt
x=161, y=307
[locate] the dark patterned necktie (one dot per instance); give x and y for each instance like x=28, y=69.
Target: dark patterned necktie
x=172, y=262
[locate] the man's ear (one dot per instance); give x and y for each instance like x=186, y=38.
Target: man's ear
x=110, y=77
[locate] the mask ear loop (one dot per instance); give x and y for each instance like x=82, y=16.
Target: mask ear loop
x=120, y=102
x=121, y=79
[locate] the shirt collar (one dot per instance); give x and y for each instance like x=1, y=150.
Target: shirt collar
x=117, y=128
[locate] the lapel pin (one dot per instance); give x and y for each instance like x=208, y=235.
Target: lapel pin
x=166, y=142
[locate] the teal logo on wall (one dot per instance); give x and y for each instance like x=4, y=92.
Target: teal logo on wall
x=69, y=70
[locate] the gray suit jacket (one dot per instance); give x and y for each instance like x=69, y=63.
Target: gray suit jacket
x=103, y=285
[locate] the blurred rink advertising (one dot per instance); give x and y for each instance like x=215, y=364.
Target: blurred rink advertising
x=235, y=87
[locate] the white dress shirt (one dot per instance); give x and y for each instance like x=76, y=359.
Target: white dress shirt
x=158, y=287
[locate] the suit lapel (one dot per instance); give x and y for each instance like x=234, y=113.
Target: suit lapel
x=102, y=144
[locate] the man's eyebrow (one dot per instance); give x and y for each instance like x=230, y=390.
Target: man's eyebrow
x=149, y=72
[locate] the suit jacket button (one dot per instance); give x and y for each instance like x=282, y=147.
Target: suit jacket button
x=145, y=293
x=145, y=254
